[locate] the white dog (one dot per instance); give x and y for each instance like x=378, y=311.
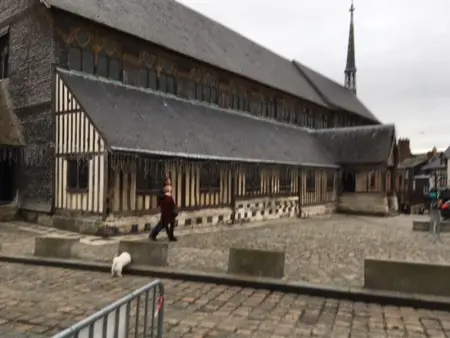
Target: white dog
x=119, y=262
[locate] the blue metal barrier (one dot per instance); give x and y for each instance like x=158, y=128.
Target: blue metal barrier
x=114, y=320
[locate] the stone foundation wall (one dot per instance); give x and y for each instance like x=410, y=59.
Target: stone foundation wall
x=260, y=209
x=317, y=210
x=364, y=203
x=8, y=212
x=198, y=218
x=266, y=208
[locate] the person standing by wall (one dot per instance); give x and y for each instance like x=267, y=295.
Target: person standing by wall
x=435, y=211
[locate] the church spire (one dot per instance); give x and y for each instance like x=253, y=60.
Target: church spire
x=350, y=69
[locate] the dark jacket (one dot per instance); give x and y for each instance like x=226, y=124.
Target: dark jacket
x=161, y=196
x=167, y=206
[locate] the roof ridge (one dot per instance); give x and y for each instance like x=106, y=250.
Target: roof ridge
x=342, y=129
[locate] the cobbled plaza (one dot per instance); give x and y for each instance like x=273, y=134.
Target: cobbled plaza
x=325, y=250
x=322, y=250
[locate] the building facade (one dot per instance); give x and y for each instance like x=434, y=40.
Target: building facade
x=104, y=105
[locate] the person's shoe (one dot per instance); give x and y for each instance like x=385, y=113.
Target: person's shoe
x=152, y=238
x=173, y=239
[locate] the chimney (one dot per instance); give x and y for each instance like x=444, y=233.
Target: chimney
x=404, y=149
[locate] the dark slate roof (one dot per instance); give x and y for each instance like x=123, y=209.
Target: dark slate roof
x=447, y=153
x=437, y=162
x=179, y=28
x=138, y=120
x=335, y=94
x=413, y=161
x=358, y=145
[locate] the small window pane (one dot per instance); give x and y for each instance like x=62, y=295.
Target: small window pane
x=171, y=86
x=235, y=102
x=115, y=70
x=192, y=89
x=207, y=93
x=199, y=91
x=152, y=79
x=88, y=61
x=143, y=77
x=75, y=58
x=214, y=95
x=162, y=85
x=102, y=65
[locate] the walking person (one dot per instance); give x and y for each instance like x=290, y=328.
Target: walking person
x=435, y=212
x=169, y=212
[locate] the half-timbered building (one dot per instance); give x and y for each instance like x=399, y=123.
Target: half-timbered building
x=127, y=93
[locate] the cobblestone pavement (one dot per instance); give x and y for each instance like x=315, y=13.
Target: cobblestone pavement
x=38, y=302
x=327, y=250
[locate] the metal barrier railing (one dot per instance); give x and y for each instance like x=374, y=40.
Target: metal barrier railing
x=114, y=320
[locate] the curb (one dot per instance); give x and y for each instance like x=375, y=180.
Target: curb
x=344, y=293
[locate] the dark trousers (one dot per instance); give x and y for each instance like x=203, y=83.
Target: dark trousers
x=168, y=226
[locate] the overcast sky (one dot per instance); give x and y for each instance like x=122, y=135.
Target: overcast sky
x=402, y=52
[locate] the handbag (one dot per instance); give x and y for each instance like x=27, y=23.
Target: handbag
x=175, y=211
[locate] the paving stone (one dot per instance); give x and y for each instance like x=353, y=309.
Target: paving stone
x=67, y=296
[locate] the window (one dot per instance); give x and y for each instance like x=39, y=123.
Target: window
x=4, y=56
x=214, y=95
x=162, y=85
x=330, y=182
x=207, y=93
x=88, y=61
x=371, y=180
x=102, y=65
x=84, y=60
x=245, y=104
x=235, y=101
x=152, y=79
x=143, y=77
x=311, y=181
x=285, y=180
x=171, y=85
x=115, y=70
x=199, y=91
x=77, y=175
x=260, y=108
x=252, y=180
x=209, y=177
x=149, y=177
x=75, y=58
x=325, y=121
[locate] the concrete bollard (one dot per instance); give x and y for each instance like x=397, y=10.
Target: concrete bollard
x=425, y=226
x=256, y=262
x=145, y=252
x=53, y=246
x=406, y=276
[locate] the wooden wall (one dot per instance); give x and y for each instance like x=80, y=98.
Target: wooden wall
x=270, y=185
x=76, y=139
x=185, y=177
x=372, y=181
x=186, y=190
x=320, y=194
